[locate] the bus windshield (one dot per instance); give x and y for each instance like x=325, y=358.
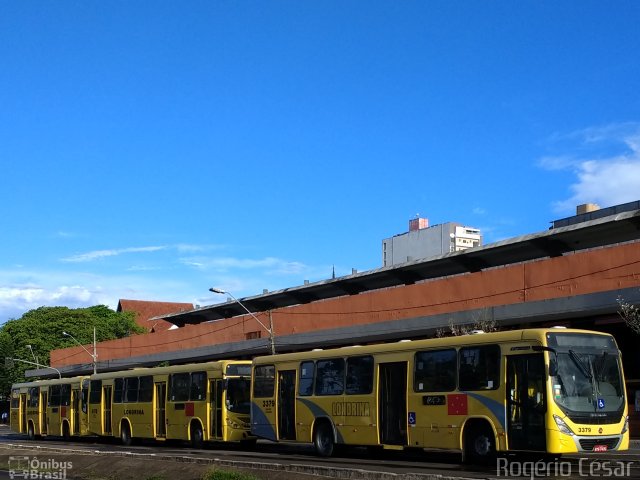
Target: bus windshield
x=238, y=395
x=588, y=377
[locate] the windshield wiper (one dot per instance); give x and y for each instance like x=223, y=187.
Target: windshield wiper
x=598, y=371
x=580, y=364
x=587, y=371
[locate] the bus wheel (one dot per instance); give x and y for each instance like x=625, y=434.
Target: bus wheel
x=323, y=440
x=479, y=445
x=31, y=434
x=125, y=435
x=66, y=433
x=196, y=435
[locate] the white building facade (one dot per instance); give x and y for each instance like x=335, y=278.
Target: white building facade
x=423, y=241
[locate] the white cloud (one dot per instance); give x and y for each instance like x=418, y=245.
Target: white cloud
x=17, y=299
x=606, y=163
x=558, y=163
x=479, y=211
x=141, y=268
x=187, y=279
x=290, y=268
x=21, y=291
x=269, y=264
x=606, y=183
x=97, y=254
x=191, y=248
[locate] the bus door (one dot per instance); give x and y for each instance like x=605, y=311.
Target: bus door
x=215, y=410
x=23, y=413
x=44, y=420
x=75, y=415
x=392, y=403
x=526, y=402
x=161, y=407
x=286, y=405
x=107, y=397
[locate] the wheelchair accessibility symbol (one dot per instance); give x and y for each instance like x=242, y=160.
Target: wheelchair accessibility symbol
x=412, y=418
x=600, y=403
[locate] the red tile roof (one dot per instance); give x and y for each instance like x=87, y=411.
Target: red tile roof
x=144, y=310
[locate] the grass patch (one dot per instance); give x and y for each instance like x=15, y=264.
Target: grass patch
x=227, y=475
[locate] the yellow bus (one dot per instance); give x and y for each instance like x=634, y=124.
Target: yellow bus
x=196, y=402
x=550, y=390
x=50, y=407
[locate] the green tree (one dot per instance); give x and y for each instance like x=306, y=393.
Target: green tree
x=630, y=314
x=42, y=329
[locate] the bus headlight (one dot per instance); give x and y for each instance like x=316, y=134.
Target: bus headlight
x=563, y=427
x=626, y=425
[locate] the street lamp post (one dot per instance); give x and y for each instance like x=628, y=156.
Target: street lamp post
x=8, y=362
x=35, y=359
x=94, y=355
x=272, y=340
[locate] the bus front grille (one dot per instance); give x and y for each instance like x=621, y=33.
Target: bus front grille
x=589, y=443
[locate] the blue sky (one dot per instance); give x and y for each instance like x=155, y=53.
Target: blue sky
x=152, y=149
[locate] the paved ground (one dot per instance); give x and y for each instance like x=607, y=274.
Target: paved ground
x=120, y=466
x=102, y=467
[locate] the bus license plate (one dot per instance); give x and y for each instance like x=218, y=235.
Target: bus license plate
x=600, y=448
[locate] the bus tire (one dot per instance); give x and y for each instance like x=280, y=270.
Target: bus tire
x=479, y=444
x=323, y=439
x=197, y=437
x=125, y=434
x=31, y=434
x=66, y=432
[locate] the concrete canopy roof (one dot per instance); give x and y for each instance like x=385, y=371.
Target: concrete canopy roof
x=618, y=228
x=548, y=311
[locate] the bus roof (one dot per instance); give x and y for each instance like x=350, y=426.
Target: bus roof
x=190, y=367
x=51, y=381
x=536, y=335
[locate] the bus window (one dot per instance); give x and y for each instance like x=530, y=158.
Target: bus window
x=34, y=397
x=95, y=392
x=198, y=388
x=146, y=389
x=359, y=375
x=65, y=395
x=118, y=390
x=54, y=396
x=243, y=370
x=85, y=395
x=305, y=386
x=479, y=367
x=264, y=381
x=238, y=395
x=131, y=390
x=179, y=387
x=435, y=371
x=330, y=377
